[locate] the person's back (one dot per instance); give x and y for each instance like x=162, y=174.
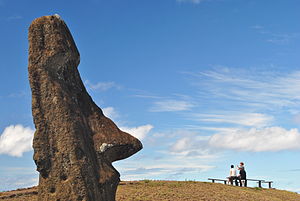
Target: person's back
x=243, y=174
x=232, y=171
x=232, y=175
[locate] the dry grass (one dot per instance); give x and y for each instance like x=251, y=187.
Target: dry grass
x=197, y=191
x=25, y=194
x=176, y=191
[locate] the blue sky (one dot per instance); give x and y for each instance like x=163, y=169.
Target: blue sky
x=203, y=83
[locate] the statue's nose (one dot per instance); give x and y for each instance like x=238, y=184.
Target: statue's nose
x=112, y=143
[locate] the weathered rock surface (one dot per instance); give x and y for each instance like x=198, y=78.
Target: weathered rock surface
x=74, y=143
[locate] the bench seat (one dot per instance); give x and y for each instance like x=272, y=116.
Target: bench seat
x=259, y=181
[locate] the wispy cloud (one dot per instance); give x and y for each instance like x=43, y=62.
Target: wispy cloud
x=15, y=182
x=166, y=169
x=245, y=119
x=263, y=93
x=18, y=170
x=257, y=27
x=17, y=95
x=15, y=140
x=101, y=86
x=295, y=170
x=14, y=17
x=190, y=1
x=147, y=96
x=171, y=105
x=257, y=89
x=282, y=39
x=276, y=38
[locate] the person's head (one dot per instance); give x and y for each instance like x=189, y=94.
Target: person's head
x=232, y=166
x=241, y=163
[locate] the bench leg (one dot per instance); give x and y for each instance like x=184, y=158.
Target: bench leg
x=270, y=185
x=259, y=184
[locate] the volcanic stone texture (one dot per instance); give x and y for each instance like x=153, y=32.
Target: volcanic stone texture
x=74, y=143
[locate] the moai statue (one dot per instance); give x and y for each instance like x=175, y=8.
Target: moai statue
x=74, y=143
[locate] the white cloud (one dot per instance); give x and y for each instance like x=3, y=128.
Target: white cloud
x=138, y=132
x=181, y=144
x=192, y=146
x=110, y=112
x=190, y=1
x=165, y=159
x=184, y=144
x=15, y=140
x=171, y=106
x=245, y=119
x=101, y=86
x=257, y=140
x=267, y=139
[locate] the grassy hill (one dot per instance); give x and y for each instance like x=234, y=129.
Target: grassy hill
x=176, y=191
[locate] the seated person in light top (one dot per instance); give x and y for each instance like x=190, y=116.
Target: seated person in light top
x=232, y=175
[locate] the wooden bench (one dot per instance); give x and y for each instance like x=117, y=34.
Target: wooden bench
x=269, y=182
x=259, y=181
x=213, y=180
